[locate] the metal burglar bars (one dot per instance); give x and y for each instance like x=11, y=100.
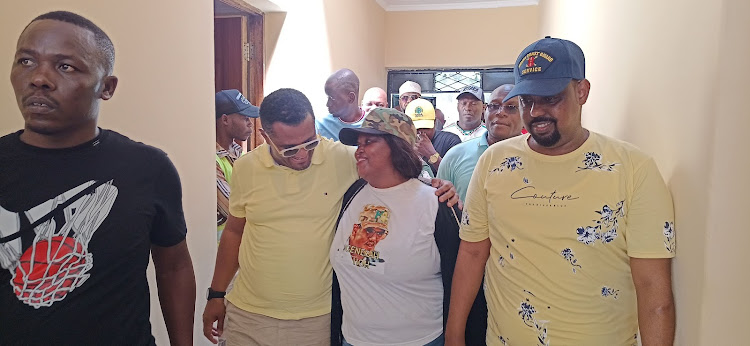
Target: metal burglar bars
x=457, y=80
x=450, y=80
x=441, y=86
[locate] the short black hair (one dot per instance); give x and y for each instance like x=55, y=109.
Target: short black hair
x=107, y=49
x=404, y=157
x=288, y=106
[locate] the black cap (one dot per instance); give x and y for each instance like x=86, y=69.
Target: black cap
x=231, y=101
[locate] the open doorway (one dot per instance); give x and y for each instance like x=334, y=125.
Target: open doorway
x=238, y=53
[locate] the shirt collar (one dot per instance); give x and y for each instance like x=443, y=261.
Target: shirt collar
x=234, y=151
x=483, y=141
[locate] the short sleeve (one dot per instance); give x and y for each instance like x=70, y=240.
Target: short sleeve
x=445, y=171
x=168, y=226
x=474, y=223
x=650, y=217
x=454, y=142
x=236, y=202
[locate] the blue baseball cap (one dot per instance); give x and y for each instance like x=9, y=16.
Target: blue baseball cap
x=231, y=101
x=546, y=67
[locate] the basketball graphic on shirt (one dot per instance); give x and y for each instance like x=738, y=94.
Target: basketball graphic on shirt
x=57, y=261
x=50, y=269
x=371, y=229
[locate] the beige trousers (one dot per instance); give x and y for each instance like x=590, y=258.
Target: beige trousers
x=242, y=328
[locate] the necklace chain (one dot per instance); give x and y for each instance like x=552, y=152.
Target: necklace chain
x=468, y=132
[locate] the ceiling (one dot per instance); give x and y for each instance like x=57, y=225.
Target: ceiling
x=426, y=5
x=404, y=5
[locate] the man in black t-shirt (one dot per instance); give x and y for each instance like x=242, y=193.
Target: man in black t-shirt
x=431, y=143
x=81, y=208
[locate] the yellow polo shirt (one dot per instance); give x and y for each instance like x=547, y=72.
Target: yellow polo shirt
x=290, y=218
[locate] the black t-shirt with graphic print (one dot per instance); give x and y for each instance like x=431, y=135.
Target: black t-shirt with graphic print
x=79, y=276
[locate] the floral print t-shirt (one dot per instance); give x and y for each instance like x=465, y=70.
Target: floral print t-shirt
x=563, y=229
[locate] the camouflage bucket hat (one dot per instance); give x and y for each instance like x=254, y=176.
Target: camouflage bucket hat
x=382, y=121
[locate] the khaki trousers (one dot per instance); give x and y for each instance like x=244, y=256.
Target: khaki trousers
x=242, y=328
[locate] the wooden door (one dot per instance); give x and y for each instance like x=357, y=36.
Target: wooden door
x=238, y=54
x=229, y=65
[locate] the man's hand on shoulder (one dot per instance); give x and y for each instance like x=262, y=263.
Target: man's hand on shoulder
x=446, y=192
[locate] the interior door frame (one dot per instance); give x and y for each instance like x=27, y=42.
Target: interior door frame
x=253, y=69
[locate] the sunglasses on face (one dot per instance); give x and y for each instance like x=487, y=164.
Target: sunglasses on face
x=289, y=152
x=378, y=232
x=409, y=97
x=497, y=107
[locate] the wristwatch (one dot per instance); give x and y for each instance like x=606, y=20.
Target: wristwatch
x=434, y=158
x=211, y=294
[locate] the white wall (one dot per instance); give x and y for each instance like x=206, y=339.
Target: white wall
x=314, y=38
x=724, y=303
x=165, y=98
x=459, y=38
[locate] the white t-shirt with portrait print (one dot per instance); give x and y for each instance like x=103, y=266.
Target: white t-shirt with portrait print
x=388, y=266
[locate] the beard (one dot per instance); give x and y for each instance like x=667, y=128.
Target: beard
x=547, y=140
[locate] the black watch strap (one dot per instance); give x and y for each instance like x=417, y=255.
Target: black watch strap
x=211, y=294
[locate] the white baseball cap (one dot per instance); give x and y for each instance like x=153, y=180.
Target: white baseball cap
x=409, y=87
x=473, y=90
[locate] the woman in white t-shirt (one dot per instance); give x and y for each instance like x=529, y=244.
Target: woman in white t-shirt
x=395, y=244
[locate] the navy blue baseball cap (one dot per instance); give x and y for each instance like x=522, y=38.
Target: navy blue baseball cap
x=546, y=67
x=231, y=101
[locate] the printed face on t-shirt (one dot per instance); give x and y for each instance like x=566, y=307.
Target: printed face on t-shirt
x=367, y=238
x=371, y=229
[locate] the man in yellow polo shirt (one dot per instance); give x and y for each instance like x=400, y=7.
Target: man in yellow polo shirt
x=286, y=195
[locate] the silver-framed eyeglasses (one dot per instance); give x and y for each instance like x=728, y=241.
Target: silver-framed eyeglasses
x=289, y=152
x=498, y=107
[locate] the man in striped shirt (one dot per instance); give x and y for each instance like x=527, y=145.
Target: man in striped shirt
x=234, y=121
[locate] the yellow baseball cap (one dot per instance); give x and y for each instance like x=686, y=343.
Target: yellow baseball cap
x=422, y=113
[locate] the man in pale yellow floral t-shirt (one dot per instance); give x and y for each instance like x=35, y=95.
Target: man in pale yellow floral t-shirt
x=572, y=230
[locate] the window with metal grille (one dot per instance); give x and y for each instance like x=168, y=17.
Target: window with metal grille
x=441, y=86
x=456, y=80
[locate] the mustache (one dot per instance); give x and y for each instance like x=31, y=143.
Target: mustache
x=539, y=119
